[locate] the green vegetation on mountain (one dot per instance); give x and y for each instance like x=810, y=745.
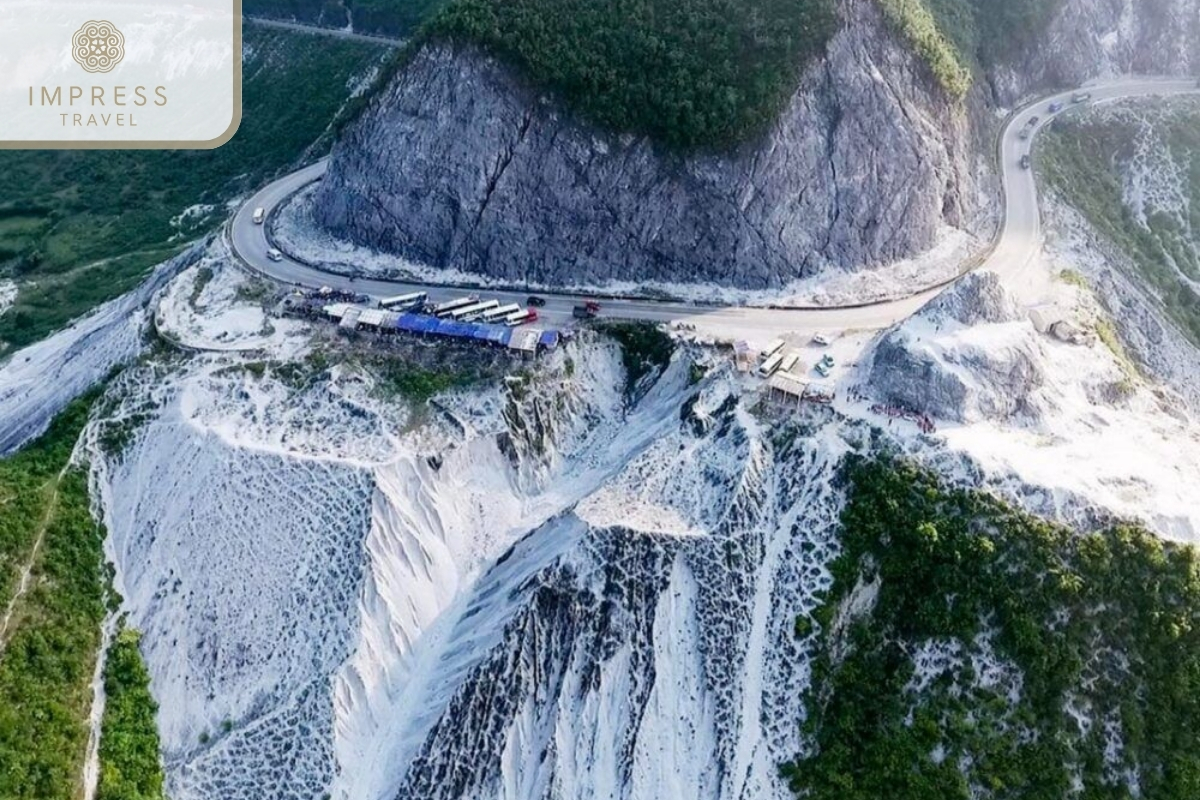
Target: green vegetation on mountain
x=50, y=631
x=957, y=37
x=915, y=22
x=685, y=72
x=418, y=384
x=78, y=228
x=129, y=746
x=1087, y=159
x=989, y=32
x=645, y=350
x=1039, y=627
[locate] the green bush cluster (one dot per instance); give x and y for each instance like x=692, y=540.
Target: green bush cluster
x=397, y=378
x=687, y=73
x=130, y=768
x=78, y=228
x=49, y=654
x=645, y=350
x=1105, y=621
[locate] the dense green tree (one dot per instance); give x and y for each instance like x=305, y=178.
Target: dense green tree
x=1103, y=623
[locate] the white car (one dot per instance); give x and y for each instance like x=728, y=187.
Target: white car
x=260, y=214
x=274, y=255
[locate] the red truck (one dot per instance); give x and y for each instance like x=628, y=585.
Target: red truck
x=587, y=310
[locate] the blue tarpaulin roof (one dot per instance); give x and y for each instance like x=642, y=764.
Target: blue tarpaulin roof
x=421, y=323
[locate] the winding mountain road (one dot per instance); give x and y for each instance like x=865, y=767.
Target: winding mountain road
x=1013, y=257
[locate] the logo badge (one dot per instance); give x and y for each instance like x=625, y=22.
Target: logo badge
x=98, y=46
x=144, y=74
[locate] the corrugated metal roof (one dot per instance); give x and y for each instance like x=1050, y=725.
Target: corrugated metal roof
x=788, y=383
x=525, y=339
x=372, y=317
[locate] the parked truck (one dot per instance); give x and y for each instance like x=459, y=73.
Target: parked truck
x=588, y=310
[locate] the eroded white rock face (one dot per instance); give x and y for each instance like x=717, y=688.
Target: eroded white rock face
x=968, y=356
x=8, y=295
x=642, y=644
x=40, y=380
x=217, y=306
x=534, y=588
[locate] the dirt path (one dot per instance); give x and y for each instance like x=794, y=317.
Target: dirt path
x=27, y=571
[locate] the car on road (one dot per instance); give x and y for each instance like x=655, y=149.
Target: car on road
x=534, y=300
x=1026, y=162
x=820, y=340
x=1025, y=133
x=1081, y=97
x=274, y=255
x=1033, y=121
x=1055, y=108
x=260, y=214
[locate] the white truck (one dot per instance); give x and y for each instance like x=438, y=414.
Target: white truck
x=260, y=214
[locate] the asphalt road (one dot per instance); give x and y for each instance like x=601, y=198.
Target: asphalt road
x=1014, y=256
x=316, y=30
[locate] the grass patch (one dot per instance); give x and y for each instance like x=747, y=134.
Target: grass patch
x=687, y=73
x=645, y=351
x=204, y=276
x=47, y=661
x=1103, y=621
x=416, y=384
x=1073, y=278
x=129, y=746
x=78, y=228
x=1084, y=159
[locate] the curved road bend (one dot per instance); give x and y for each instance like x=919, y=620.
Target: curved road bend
x=1015, y=254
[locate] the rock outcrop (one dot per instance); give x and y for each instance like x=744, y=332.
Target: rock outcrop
x=967, y=356
x=1106, y=38
x=459, y=164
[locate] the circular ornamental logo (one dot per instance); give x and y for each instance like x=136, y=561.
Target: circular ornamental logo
x=98, y=46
